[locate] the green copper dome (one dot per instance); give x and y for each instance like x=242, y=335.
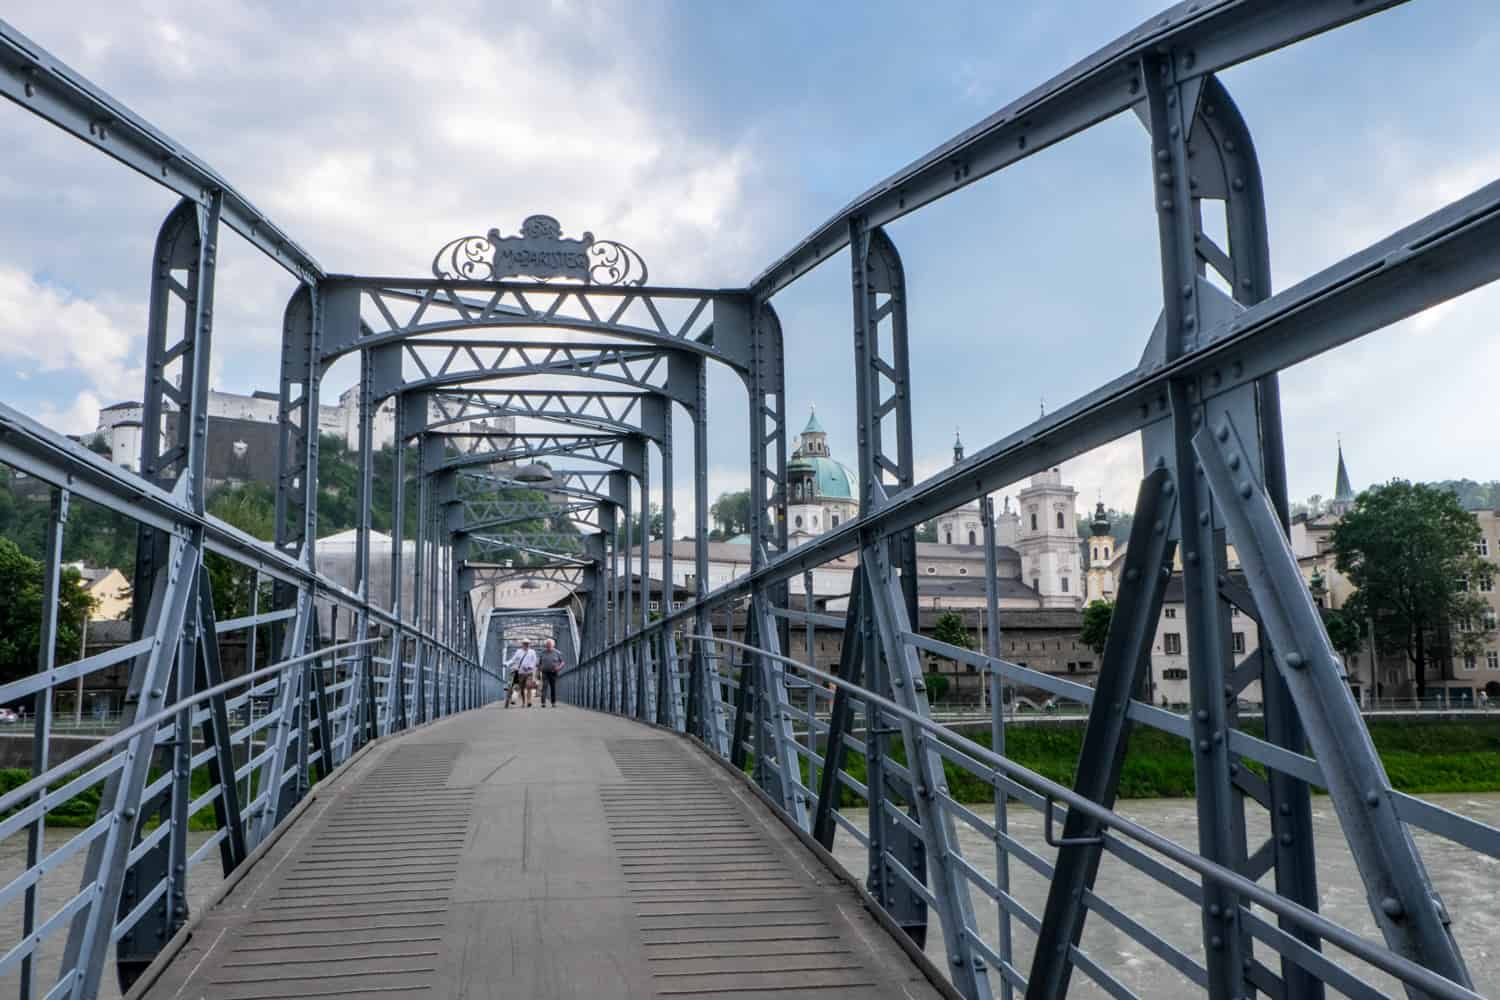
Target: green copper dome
x=830, y=478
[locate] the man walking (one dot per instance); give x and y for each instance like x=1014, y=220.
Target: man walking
x=551, y=664
x=522, y=664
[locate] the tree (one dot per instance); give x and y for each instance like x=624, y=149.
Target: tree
x=1096, y=619
x=732, y=511
x=937, y=686
x=927, y=532
x=1410, y=549
x=1344, y=631
x=949, y=628
x=655, y=529
x=21, y=613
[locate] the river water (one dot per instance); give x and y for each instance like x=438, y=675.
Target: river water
x=60, y=885
x=1469, y=884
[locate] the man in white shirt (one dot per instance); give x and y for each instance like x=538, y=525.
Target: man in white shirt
x=522, y=665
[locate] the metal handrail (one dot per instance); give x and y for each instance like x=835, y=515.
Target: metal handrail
x=1400, y=967
x=103, y=748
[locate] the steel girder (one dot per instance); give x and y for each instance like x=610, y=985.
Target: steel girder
x=1204, y=394
x=398, y=310
x=1211, y=34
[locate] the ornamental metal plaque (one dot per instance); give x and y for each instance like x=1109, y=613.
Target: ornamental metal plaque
x=541, y=252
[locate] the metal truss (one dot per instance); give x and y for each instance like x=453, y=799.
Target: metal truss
x=345, y=666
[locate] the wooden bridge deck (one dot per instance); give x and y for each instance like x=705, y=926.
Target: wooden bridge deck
x=537, y=853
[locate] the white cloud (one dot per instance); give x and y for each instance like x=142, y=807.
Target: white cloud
x=53, y=331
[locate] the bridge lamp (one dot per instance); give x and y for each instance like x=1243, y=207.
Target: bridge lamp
x=536, y=472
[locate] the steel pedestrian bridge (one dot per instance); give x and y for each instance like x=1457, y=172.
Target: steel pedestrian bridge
x=377, y=823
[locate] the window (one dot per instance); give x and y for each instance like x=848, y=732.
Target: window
x=1486, y=586
x=1171, y=643
x=1033, y=522
x=1094, y=553
x=835, y=520
x=654, y=606
x=1483, y=546
x=971, y=538
x=1171, y=612
x=1492, y=660
x=1085, y=665
x=1106, y=551
x=1489, y=620
x=971, y=668
x=1238, y=641
x=815, y=520
x=1064, y=585
x=1036, y=584
x=1072, y=668
x=1174, y=674
x=948, y=537
x=1470, y=661
x=1060, y=520
x=1234, y=612
x=931, y=570
x=798, y=521
x=963, y=571
x=1463, y=585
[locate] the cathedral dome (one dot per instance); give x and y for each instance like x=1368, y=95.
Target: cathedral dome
x=831, y=478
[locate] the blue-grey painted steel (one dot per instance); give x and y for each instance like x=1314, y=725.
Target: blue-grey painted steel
x=1405, y=904
x=1124, y=666
x=1212, y=363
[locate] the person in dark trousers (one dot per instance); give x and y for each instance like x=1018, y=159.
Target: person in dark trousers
x=551, y=663
x=522, y=664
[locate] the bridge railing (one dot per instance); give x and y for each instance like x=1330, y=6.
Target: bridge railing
x=830, y=772
x=208, y=757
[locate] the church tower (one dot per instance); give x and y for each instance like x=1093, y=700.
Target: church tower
x=1102, y=550
x=1343, y=493
x=1048, y=541
x=960, y=526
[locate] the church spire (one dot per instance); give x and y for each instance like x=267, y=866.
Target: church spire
x=958, y=447
x=1343, y=493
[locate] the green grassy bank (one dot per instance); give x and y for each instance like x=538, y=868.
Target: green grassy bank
x=1420, y=757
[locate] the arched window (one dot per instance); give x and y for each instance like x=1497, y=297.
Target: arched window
x=1064, y=585
x=1095, y=555
x=1106, y=551
x=799, y=520
x=948, y=537
x=1059, y=519
x=1033, y=522
x=971, y=538
x=835, y=520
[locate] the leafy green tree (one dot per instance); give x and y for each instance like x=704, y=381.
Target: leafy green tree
x=653, y=532
x=732, y=512
x=949, y=628
x=1410, y=549
x=927, y=532
x=21, y=613
x=1344, y=631
x=1096, y=619
x=251, y=507
x=937, y=686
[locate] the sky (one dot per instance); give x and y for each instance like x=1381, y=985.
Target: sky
x=712, y=138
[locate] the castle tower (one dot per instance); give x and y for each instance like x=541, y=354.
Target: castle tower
x=1048, y=541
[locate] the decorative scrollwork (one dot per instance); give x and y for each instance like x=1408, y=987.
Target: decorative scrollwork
x=469, y=257
x=540, y=252
x=612, y=263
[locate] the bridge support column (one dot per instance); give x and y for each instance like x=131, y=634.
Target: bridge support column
x=167, y=573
